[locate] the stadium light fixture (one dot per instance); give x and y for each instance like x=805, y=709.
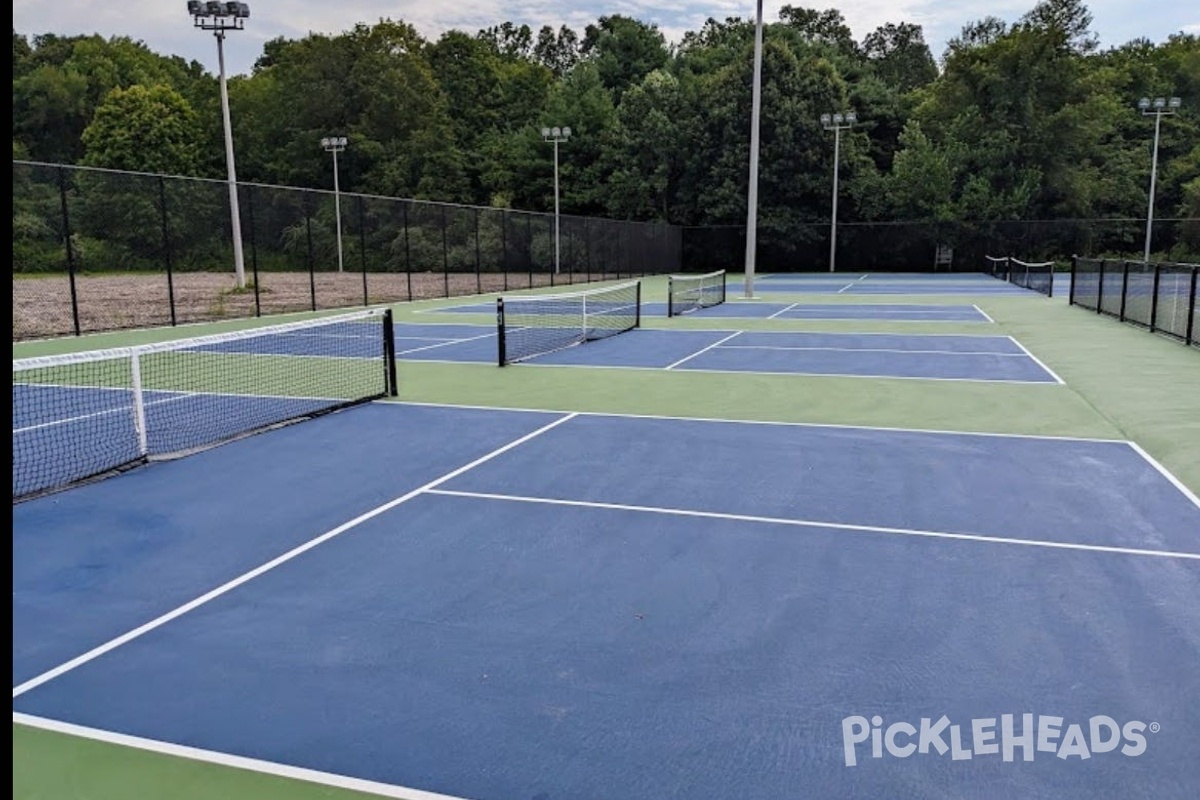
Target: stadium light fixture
x=556, y=135
x=335, y=145
x=837, y=123
x=1157, y=108
x=219, y=18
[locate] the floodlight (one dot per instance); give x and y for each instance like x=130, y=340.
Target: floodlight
x=851, y=118
x=546, y=133
x=566, y=132
x=325, y=142
x=825, y=119
x=556, y=132
x=1175, y=102
x=196, y=8
x=1160, y=102
x=214, y=9
x=1144, y=103
x=238, y=10
x=837, y=119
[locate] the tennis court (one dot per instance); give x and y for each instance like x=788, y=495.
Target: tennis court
x=432, y=600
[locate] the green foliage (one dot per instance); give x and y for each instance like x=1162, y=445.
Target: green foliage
x=143, y=129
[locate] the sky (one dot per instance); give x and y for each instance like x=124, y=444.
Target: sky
x=165, y=27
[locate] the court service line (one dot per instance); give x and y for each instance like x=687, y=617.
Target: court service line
x=874, y=350
x=703, y=350
x=1038, y=361
x=245, y=577
x=807, y=523
x=97, y=414
x=444, y=344
x=229, y=760
x=783, y=310
x=984, y=313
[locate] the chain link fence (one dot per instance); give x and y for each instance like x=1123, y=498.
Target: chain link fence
x=99, y=250
x=1165, y=297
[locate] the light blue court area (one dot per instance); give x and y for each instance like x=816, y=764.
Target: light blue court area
x=928, y=356
x=890, y=312
x=507, y=604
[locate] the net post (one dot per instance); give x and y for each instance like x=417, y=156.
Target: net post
x=1071, y=291
x=724, y=285
x=584, y=331
x=391, y=385
x=1124, y=289
x=139, y=404
x=502, y=356
x=670, y=296
x=1154, y=298
x=1050, y=286
x=66, y=220
x=1100, y=288
x=637, y=320
x=1190, y=336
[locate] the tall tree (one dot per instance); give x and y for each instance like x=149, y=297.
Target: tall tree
x=624, y=51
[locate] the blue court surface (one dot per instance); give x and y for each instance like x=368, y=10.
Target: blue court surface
x=516, y=604
x=881, y=355
x=891, y=312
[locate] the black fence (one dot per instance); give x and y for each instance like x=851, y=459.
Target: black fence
x=99, y=250
x=914, y=246
x=1159, y=297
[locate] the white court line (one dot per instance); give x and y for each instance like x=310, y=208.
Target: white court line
x=873, y=350
x=703, y=350
x=1038, y=361
x=1178, y=484
x=229, y=586
x=807, y=523
x=96, y=414
x=722, y=421
x=444, y=344
x=847, y=286
x=984, y=313
x=228, y=760
x=783, y=311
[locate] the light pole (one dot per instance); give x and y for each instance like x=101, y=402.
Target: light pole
x=556, y=135
x=836, y=123
x=1156, y=108
x=335, y=145
x=752, y=188
x=218, y=18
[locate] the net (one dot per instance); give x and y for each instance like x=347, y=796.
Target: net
x=81, y=415
x=1038, y=277
x=689, y=292
x=997, y=267
x=540, y=324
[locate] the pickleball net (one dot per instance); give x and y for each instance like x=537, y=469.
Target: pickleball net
x=540, y=324
x=686, y=293
x=82, y=415
x=1039, y=277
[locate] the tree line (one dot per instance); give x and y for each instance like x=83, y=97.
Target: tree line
x=1029, y=120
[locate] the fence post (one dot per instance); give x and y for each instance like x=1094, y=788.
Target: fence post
x=312, y=274
x=1124, y=289
x=1190, y=337
x=66, y=220
x=445, y=256
x=166, y=239
x=504, y=245
x=529, y=243
x=253, y=247
x=478, y=278
x=1100, y=288
x=407, y=253
x=1154, y=298
x=587, y=250
x=362, y=246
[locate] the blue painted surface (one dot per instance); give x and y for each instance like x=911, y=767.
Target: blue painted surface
x=934, y=343
x=98, y=560
x=496, y=649
x=759, y=310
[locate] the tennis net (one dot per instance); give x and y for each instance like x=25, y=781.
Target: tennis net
x=81, y=415
x=540, y=324
x=997, y=267
x=1038, y=277
x=689, y=292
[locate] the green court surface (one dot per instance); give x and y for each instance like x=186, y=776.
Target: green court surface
x=1120, y=383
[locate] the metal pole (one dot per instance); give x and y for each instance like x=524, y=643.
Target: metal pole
x=837, y=147
x=752, y=194
x=556, y=206
x=337, y=207
x=1153, y=175
x=239, y=267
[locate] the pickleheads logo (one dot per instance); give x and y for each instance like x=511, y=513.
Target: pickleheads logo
x=1028, y=733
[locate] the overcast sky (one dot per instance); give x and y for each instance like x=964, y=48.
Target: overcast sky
x=165, y=27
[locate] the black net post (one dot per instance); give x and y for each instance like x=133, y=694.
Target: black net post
x=66, y=228
x=637, y=323
x=166, y=245
x=389, y=355
x=501, y=356
x=670, y=296
x=1100, y=287
x=312, y=267
x=1154, y=298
